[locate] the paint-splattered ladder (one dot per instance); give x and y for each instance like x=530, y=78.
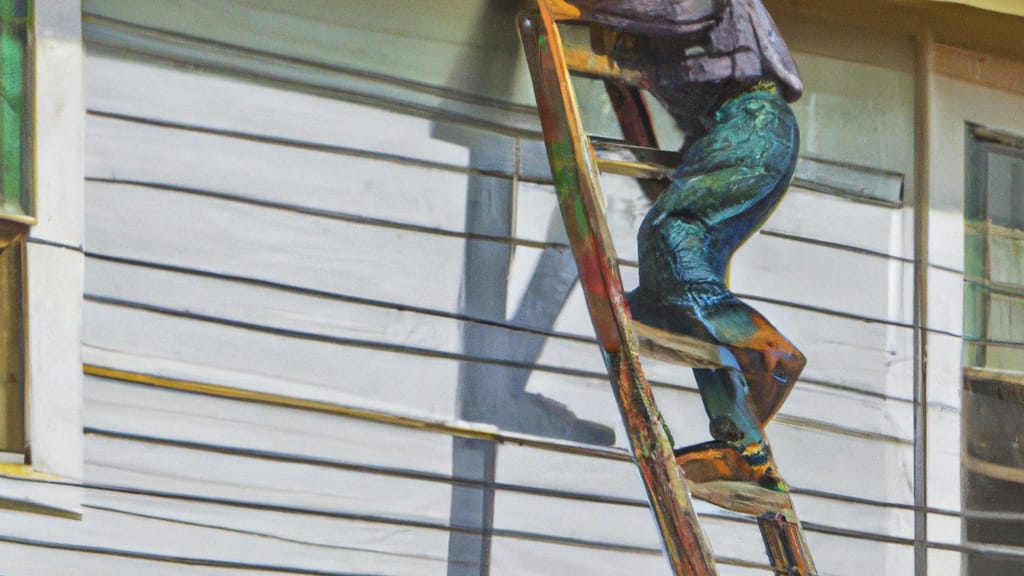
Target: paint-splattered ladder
x=575, y=168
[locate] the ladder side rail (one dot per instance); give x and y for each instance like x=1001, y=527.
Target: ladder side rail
x=575, y=171
x=786, y=546
x=780, y=529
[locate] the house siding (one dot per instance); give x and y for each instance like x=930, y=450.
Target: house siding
x=311, y=235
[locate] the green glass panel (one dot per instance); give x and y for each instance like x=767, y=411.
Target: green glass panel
x=857, y=114
x=994, y=255
x=1006, y=255
x=974, y=303
x=13, y=104
x=1005, y=190
x=1006, y=318
x=975, y=241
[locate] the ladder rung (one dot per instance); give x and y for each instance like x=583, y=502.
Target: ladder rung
x=562, y=10
x=587, y=62
x=649, y=163
x=641, y=153
x=644, y=170
x=677, y=348
x=743, y=497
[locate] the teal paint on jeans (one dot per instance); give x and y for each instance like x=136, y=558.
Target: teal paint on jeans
x=730, y=181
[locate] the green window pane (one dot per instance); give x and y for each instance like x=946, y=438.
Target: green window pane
x=14, y=115
x=1006, y=255
x=994, y=254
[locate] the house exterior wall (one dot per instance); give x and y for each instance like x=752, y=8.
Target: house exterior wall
x=331, y=325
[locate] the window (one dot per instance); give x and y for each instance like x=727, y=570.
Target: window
x=16, y=168
x=993, y=397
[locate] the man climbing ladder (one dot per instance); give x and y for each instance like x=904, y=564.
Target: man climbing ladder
x=723, y=72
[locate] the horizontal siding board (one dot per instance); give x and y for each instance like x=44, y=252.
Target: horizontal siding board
x=516, y=557
x=519, y=468
x=619, y=480
x=45, y=558
x=270, y=244
x=589, y=397
x=285, y=114
x=152, y=466
x=153, y=92
x=192, y=545
x=138, y=410
x=872, y=357
x=440, y=46
x=576, y=520
x=734, y=543
x=285, y=154
x=274, y=308
x=276, y=174
x=206, y=343
x=860, y=517
x=112, y=38
x=327, y=372
x=824, y=462
x=149, y=94
x=834, y=555
x=359, y=546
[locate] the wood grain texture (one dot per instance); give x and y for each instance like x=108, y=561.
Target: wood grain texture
x=578, y=186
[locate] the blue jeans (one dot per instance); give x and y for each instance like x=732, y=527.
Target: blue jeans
x=730, y=181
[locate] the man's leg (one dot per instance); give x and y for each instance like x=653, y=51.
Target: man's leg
x=725, y=395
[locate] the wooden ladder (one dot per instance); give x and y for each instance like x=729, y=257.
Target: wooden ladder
x=575, y=167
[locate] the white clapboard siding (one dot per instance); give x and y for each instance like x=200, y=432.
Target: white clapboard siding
x=518, y=557
x=164, y=467
x=330, y=373
x=357, y=546
x=272, y=173
x=235, y=301
x=154, y=536
x=145, y=92
x=769, y=266
x=436, y=44
x=49, y=559
x=311, y=242
x=212, y=234
x=150, y=92
x=135, y=410
x=112, y=200
x=576, y=520
x=589, y=395
x=840, y=556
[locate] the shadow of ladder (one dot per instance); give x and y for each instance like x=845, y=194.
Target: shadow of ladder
x=575, y=168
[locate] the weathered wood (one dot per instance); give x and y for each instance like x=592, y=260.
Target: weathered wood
x=785, y=544
x=12, y=348
x=577, y=182
x=574, y=167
